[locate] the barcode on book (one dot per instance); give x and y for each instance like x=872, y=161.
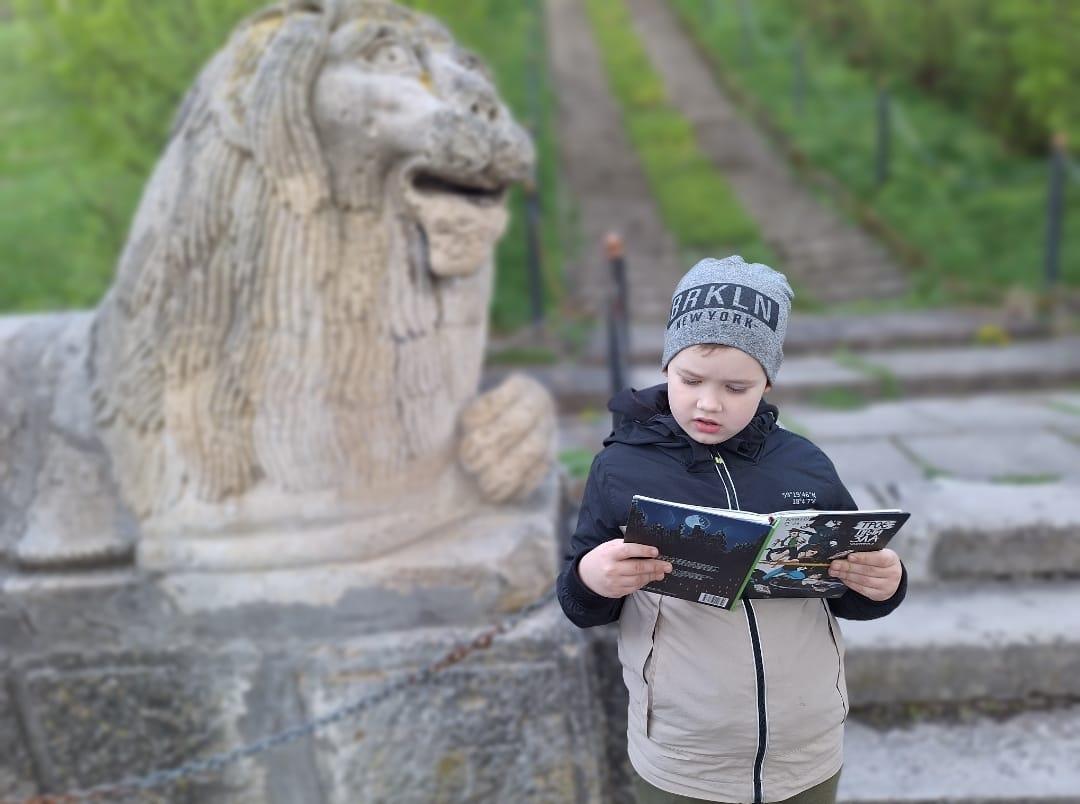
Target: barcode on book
x=712, y=600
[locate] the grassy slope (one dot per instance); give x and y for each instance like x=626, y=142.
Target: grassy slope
x=972, y=213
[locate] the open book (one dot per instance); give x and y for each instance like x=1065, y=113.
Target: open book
x=719, y=556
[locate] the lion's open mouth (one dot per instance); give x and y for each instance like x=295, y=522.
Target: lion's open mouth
x=460, y=220
x=429, y=184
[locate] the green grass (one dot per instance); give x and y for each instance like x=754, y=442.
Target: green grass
x=929, y=470
x=967, y=215
x=838, y=398
x=576, y=462
x=1064, y=407
x=697, y=205
x=794, y=425
x=1026, y=480
x=888, y=384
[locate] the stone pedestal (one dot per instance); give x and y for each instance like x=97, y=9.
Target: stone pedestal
x=515, y=722
x=118, y=672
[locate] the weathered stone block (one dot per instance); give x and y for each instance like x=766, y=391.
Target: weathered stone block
x=16, y=768
x=612, y=695
x=517, y=722
x=90, y=720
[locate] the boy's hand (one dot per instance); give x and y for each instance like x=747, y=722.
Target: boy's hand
x=874, y=574
x=617, y=568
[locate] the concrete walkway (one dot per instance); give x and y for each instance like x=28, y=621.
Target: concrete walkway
x=832, y=259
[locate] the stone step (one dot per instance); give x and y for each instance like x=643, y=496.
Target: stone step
x=1030, y=757
x=819, y=333
x=869, y=375
x=964, y=642
x=974, y=530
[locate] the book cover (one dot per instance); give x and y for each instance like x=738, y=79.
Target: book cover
x=796, y=561
x=711, y=550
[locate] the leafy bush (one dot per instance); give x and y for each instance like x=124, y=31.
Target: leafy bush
x=89, y=91
x=1011, y=63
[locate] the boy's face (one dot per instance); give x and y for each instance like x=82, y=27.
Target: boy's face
x=714, y=391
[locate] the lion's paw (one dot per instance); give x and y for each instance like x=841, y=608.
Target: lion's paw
x=508, y=438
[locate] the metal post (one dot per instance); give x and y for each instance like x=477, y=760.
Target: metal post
x=535, y=246
x=533, y=239
x=618, y=325
x=881, y=162
x=746, y=39
x=1055, y=210
x=798, y=68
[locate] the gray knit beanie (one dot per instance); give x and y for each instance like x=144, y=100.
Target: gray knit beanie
x=733, y=303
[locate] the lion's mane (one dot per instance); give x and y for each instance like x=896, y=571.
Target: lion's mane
x=258, y=328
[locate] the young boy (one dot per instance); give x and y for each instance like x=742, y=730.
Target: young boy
x=730, y=706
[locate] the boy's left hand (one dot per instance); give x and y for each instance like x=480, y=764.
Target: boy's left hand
x=874, y=574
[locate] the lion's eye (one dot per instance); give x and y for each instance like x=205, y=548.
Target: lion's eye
x=392, y=56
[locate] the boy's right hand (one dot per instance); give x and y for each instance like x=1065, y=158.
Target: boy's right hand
x=617, y=568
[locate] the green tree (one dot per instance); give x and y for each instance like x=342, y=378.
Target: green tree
x=1014, y=64
x=1044, y=43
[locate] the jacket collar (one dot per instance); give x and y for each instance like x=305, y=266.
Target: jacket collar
x=644, y=417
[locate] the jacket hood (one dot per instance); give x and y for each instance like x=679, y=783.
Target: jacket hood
x=644, y=417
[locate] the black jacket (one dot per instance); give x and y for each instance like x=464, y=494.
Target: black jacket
x=648, y=453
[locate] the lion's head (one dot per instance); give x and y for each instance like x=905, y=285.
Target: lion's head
x=301, y=304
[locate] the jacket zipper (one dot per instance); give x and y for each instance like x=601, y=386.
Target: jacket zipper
x=763, y=723
x=755, y=644
x=729, y=490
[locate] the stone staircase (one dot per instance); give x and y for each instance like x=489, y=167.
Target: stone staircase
x=909, y=356
x=970, y=691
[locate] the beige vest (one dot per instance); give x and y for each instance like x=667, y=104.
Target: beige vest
x=695, y=715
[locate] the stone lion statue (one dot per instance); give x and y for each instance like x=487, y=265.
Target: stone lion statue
x=285, y=369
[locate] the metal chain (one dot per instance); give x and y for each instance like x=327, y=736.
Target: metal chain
x=218, y=762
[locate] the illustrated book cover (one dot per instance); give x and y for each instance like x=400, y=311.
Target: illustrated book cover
x=719, y=556
x=711, y=550
x=803, y=543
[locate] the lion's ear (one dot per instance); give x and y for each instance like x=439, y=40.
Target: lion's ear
x=227, y=79
x=262, y=102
